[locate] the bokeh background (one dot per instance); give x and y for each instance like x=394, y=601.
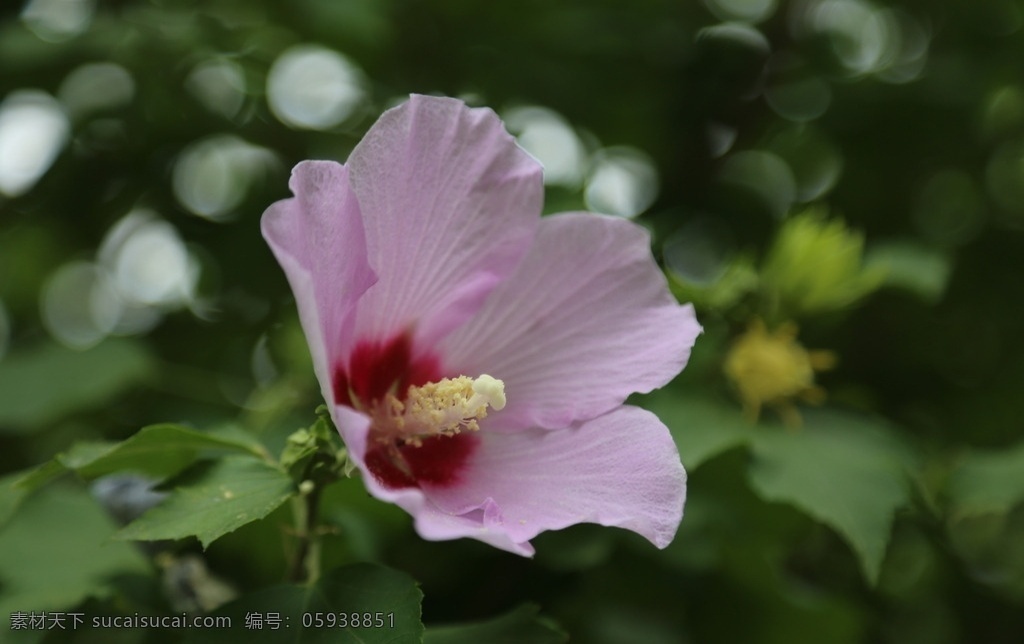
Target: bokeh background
x=841, y=175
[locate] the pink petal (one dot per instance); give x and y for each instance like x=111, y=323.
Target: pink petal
x=354, y=427
x=483, y=524
x=621, y=469
x=431, y=523
x=449, y=204
x=317, y=237
x=585, y=321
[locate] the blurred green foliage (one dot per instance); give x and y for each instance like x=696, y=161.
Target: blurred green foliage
x=140, y=140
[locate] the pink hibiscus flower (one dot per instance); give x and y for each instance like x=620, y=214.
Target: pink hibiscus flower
x=475, y=357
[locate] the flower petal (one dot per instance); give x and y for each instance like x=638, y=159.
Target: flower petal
x=317, y=237
x=585, y=321
x=450, y=204
x=621, y=469
x=483, y=523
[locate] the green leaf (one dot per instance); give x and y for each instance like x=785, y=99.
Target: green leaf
x=846, y=472
x=158, y=450
x=913, y=267
x=41, y=568
x=363, y=589
x=523, y=624
x=213, y=500
x=15, y=487
x=988, y=482
x=45, y=384
x=713, y=284
x=10, y=495
x=701, y=425
x=579, y=547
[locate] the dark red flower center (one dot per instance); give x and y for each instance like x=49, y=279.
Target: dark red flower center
x=376, y=369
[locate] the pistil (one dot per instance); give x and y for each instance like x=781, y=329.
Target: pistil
x=443, y=408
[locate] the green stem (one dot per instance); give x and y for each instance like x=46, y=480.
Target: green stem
x=305, y=566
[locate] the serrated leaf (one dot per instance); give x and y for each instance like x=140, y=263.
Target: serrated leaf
x=364, y=589
x=988, y=482
x=702, y=426
x=219, y=497
x=522, y=624
x=41, y=568
x=45, y=384
x=157, y=450
x=846, y=472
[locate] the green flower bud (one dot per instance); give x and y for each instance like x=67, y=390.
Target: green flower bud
x=815, y=266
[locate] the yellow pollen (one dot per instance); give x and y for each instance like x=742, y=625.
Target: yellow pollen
x=442, y=408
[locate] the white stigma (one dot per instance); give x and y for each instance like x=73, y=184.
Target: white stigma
x=489, y=391
x=446, y=407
